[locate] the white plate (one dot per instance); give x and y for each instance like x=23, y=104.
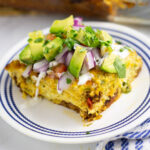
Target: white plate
x=49, y=122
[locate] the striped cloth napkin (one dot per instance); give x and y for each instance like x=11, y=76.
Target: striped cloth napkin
x=136, y=139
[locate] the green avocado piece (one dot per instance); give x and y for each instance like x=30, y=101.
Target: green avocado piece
x=87, y=38
x=103, y=35
x=62, y=25
x=77, y=61
x=36, y=41
x=25, y=55
x=53, y=48
x=108, y=64
x=80, y=36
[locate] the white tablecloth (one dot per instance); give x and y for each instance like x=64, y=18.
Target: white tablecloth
x=13, y=29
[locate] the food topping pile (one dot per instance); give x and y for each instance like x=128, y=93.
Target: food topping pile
x=70, y=51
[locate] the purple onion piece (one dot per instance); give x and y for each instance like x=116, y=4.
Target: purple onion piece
x=68, y=58
x=64, y=82
x=97, y=57
x=84, y=69
x=41, y=66
x=60, y=58
x=89, y=60
x=27, y=71
x=78, y=21
x=43, y=69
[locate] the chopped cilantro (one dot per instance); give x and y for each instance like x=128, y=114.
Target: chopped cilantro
x=59, y=34
x=46, y=42
x=68, y=80
x=89, y=29
x=87, y=132
x=122, y=49
x=118, y=42
x=38, y=40
x=46, y=50
x=125, y=48
x=29, y=40
x=105, y=43
x=120, y=67
x=69, y=42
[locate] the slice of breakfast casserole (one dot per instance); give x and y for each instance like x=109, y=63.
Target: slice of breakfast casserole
x=75, y=66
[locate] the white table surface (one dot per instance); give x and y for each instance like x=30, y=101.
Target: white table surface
x=13, y=29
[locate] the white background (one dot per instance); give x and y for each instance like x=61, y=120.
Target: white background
x=13, y=29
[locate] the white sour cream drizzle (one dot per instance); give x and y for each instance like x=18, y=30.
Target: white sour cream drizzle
x=116, y=50
x=38, y=79
x=84, y=78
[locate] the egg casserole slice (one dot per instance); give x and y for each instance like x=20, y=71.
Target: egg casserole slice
x=89, y=99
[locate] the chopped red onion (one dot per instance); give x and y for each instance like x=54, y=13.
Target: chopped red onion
x=27, y=71
x=60, y=58
x=64, y=82
x=84, y=69
x=89, y=60
x=41, y=66
x=68, y=58
x=78, y=21
x=97, y=57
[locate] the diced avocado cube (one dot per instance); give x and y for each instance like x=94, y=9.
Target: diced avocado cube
x=107, y=64
x=35, y=35
x=80, y=36
x=77, y=61
x=105, y=49
x=71, y=33
x=53, y=48
x=36, y=41
x=87, y=38
x=103, y=35
x=25, y=55
x=62, y=25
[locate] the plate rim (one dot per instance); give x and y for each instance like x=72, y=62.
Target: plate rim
x=85, y=139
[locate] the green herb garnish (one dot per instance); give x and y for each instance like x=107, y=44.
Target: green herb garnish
x=46, y=42
x=118, y=42
x=69, y=42
x=46, y=50
x=89, y=29
x=29, y=40
x=59, y=34
x=87, y=132
x=120, y=67
x=105, y=43
x=68, y=80
x=125, y=48
x=122, y=49
x=38, y=40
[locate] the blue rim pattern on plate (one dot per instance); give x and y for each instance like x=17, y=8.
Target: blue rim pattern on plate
x=24, y=121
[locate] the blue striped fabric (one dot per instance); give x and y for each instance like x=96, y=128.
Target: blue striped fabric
x=136, y=139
